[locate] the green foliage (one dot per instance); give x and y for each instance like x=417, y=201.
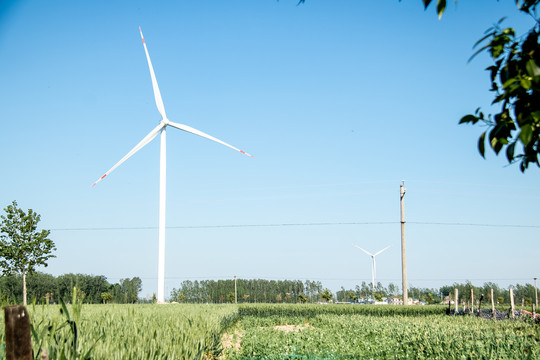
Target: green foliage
x=312, y=310
x=117, y=332
x=106, y=297
x=327, y=295
x=331, y=332
x=59, y=338
x=44, y=287
x=258, y=290
x=22, y=246
x=515, y=81
x=441, y=6
x=130, y=289
x=183, y=331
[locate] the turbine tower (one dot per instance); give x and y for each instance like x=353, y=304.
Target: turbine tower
x=161, y=129
x=373, y=267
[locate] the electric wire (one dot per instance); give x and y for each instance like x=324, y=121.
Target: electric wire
x=295, y=225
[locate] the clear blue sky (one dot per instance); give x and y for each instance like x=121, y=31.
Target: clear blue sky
x=337, y=100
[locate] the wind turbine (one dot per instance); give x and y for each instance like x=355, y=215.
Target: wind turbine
x=161, y=129
x=373, y=267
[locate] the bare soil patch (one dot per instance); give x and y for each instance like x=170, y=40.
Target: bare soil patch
x=291, y=328
x=228, y=341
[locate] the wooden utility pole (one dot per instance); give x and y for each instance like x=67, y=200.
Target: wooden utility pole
x=472, y=300
x=493, y=305
x=512, y=302
x=403, y=251
x=235, y=292
x=456, y=304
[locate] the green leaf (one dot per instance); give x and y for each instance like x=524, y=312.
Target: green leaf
x=468, y=119
x=533, y=69
x=490, y=34
x=441, y=6
x=509, y=31
x=478, y=52
x=481, y=145
x=525, y=83
x=526, y=134
x=510, y=152
x=495, y=144
x=426, y=3
x=509, y=82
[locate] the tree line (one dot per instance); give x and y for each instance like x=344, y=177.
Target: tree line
x=248, y=291
x=91, y=289
x=296, y=291
x=525, y=293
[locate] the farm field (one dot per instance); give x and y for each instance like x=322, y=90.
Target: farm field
x=265, y=331
x=379, y=332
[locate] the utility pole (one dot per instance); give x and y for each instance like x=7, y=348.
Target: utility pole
x=235, y=293
x=403, y=251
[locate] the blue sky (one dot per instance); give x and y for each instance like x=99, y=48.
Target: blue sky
x=337, y=100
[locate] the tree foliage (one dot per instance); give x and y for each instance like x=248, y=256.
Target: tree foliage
x=249, y=290
x=327, y=295
x=515, y=83
x=22, y=246
x=45, y=288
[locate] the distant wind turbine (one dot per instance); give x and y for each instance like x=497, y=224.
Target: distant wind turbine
x=160, y=129
x=373, y=267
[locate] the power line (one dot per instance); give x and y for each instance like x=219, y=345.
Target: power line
x=295, y=224
x=215, y=278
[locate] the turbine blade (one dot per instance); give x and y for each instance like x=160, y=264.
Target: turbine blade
x=151, y=135
x=189, y=129
x=157, y=94
x=382, y=250
x=370, y=254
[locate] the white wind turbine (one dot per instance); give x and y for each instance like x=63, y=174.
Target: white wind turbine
x=160, y=129
x=373, y=267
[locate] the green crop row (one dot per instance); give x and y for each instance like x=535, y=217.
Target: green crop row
x=278, y=331
x=312, y=310
x=329, y=336
x=130, y=331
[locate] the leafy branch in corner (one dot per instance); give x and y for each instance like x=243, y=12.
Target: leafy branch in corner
x=515, y=81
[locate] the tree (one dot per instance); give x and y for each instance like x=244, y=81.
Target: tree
x=22, y=246
x=327, y=295
x=515, y=82
x=130, y=289
x=106, y=297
